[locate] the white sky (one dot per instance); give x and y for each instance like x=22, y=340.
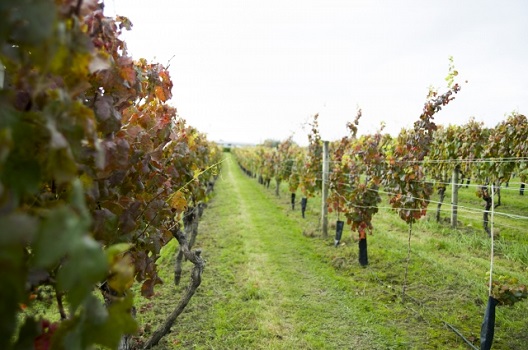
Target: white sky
x=244, y=70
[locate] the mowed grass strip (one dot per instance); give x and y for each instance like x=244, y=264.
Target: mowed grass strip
x=264, y=287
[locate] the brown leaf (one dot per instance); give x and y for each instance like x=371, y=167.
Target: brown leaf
x=147, y=288
x=129, y=74
x=108, y=117
x=160, y=93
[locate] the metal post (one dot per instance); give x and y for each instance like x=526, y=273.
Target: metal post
x=324, y=205
x=454, y=197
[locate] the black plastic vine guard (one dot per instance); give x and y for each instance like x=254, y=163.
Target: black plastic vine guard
x=363, y=257
x=488, y=325
x=293, y=201
x=339, y=232
x=304, y=201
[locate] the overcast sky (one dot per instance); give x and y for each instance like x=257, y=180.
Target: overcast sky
x=245, y=71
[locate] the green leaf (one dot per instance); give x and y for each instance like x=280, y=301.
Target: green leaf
x=62, y=165
x=96, y=324
x=30, y=21
x=16, y=231
x=118, y=323
x=68, y=336
x=59, y=232
x=21, y=175
x=17, y=228
x=27, y=334
x=85, y=266
x=96, y=312
x=62, y=229
x=12, y=289
x=6, y=140
x=78, y=201
x=105, y=225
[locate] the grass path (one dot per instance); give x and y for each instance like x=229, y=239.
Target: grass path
x=268, y=286
x=264, y=287
x=290, y=299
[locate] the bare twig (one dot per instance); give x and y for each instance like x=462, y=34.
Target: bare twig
x=77, y=10
x=60, y=305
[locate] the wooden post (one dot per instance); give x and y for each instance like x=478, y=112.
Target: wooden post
x=324, y=206
x=2, y=75
x=454, y=196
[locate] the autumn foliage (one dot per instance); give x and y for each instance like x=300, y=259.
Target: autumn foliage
x=95, y=169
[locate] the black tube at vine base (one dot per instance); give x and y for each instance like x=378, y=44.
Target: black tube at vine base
x=363, y=256
x=488, y=325
x=339, y=232
x=304, y=202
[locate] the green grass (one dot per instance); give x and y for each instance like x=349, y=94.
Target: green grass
x=510, y=231
x=272, y=281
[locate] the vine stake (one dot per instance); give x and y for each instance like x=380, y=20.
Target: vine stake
x=407, y=265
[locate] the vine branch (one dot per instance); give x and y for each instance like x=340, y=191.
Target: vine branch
x=196, y=279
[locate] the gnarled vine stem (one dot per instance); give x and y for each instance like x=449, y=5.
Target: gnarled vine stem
x=196, y=278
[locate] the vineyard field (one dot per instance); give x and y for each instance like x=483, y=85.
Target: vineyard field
x=122, y=226
x=272, y=282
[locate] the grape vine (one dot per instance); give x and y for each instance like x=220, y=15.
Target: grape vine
x=95, y=169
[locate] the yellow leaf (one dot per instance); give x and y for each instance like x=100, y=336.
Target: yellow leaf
x=114, y=251
x=196, y=171
x=121, y=274
x=191, y=140
x=86, y=180
x=178, y=201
